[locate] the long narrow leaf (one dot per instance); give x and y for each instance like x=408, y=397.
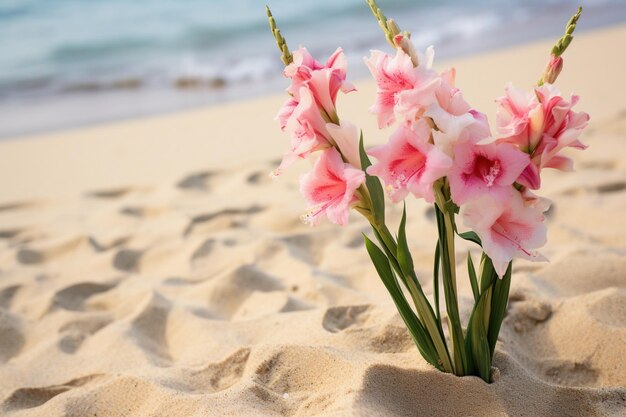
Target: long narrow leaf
x=390, y=249
x=417, y=331
x=428, y=319
x=436, y=283
x=424, y=309
x=499, y=302
x=374, y=187
x=476, y=341
x=403, y=255
x=472, y=276
x=449, y=289
x=471, y=236
x=488, y=275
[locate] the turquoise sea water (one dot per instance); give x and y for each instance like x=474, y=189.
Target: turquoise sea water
x=136, y=57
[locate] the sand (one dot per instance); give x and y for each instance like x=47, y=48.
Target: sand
x=150, y=268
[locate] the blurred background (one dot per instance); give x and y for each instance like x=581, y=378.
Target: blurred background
x=69, y=63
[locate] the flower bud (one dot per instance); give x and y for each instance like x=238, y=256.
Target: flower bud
x=553, y=69
x=403, y=42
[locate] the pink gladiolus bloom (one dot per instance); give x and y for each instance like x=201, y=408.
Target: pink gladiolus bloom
x=484, y=169
x=324, y=81
x=471, y=126
x=510, y=229
x=408, y=163
x=541, y=124
x=307, y=128
x=346, y=136
x=400, y=86
x=561, y=128
x=285, y=112
x=456, y=122
x=331, y=188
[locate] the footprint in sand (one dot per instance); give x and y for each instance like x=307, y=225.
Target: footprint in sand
x=9, y=233
x=74, y=333
x=216, y=377
x=11, y=337
x=296, y=369
x=308, y=247
x=7, y=294
x=391, y=339
x=227, y=293
x=340, y=318
x=199, y=181
x=142, y=211
x=149, y=326
x=103, y=246
x=47, y=251
x=524, y=315
x=204, y=250
x=74, y=297
x=606, y=188
x=612, y=187
x=127, y=260
x=230, y=214
x=25, y=398
x=18, y=205
x=568, y=373
x=110, y=194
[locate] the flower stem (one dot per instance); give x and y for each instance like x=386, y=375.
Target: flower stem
x=424, y=309
x=446, y=227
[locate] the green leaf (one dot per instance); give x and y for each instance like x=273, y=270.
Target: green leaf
x=436, y=283
x=452, y=207
x=471, y=236
x=499, y=301
x=446, y=242
x=417, y=331
x=477, y=344
x=403, y=254
x=373, y=185
x=472, y=276
x=390, y=248
x=488, y=275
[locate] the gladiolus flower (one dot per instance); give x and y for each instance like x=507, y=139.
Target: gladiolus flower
x=408, y=163
x=401, y=87
x=541, y=124
x=324, y=81
x=561, y=128
x=513, y=118
x=510, y=229
x=478, y=169
x=346, y=137
x=456, y=122
x=307, y=129
x=331, y=188
x=285, y=112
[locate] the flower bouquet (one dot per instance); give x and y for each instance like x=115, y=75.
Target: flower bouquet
x=442, y=151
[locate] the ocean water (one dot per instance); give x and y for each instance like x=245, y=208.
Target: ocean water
x=72, y=62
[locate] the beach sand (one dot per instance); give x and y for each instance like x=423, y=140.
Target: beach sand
x=151, y=268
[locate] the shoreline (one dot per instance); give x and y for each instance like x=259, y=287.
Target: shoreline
x=194, y=137
x=63, y=111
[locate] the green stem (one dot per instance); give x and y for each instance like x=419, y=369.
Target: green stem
x=423, y=307
x=446, y=227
